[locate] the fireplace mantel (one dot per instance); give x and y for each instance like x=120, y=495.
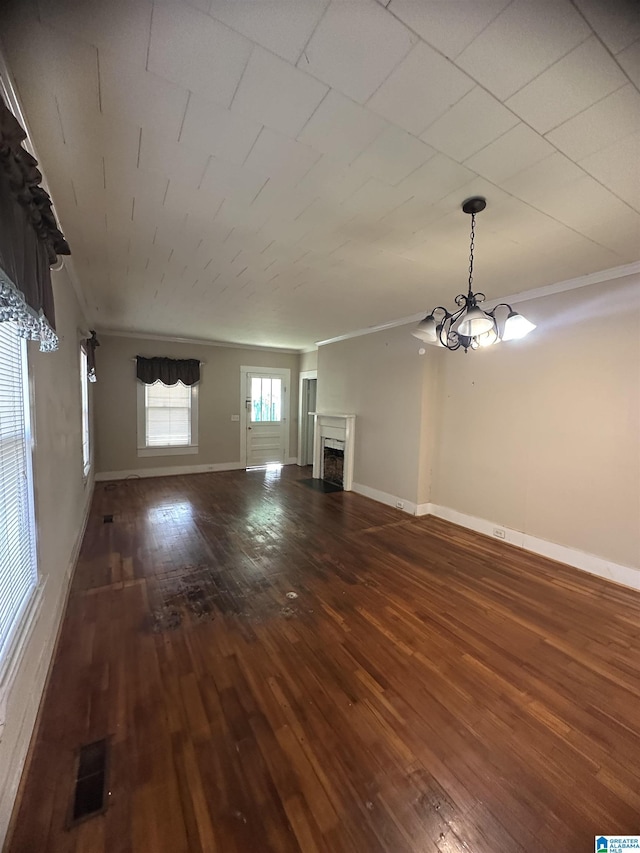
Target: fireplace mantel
x=337, y=426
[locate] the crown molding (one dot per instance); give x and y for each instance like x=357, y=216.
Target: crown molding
x=512, y=299
x=118, y=333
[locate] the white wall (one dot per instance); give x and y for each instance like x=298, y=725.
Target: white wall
x=543, y=435
x=381, y=379
x=218, y=400
x=309, y=360
x=62, y=501
x=539, y=436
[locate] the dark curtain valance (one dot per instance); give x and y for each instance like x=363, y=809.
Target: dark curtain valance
x=168, y=370
x=91, y=344
x=30, y=240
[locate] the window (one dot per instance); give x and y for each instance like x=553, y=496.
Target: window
x=84, y=387
x=167, y=419
x=18, y=571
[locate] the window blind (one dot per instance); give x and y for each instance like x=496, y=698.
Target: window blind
x=18, y=575
x=168, y=415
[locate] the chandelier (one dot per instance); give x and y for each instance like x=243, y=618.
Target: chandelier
x=469, y=326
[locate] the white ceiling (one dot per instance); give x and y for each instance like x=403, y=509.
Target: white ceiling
x=278, y=172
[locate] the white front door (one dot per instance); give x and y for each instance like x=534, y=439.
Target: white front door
x=266, y=416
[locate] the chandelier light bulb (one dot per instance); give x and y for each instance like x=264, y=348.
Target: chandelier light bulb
x=426, y=330
x=475, y=322
x=488, y=339
x=516, y=326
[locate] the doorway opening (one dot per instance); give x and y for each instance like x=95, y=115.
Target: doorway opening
x=306, y=420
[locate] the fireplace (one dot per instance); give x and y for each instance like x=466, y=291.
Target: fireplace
x=333, y=448
x=333, y=461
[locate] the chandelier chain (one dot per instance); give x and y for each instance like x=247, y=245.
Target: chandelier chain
x=471, y=247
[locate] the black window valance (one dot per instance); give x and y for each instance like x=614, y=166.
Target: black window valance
x=30, y=240
x=168, y=370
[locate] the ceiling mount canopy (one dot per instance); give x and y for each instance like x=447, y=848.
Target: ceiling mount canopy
x=469, y=326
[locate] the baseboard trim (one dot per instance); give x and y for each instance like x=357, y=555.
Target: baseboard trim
x=594, y=565
x=625, y=575
x=385, y=498
x=168, y=471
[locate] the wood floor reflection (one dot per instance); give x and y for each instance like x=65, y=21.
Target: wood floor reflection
x=426, y=689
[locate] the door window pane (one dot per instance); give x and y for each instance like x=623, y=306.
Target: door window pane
x=266, y=399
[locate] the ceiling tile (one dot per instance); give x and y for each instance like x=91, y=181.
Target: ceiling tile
x=191, y=49
x=120, y=26
x=583, y=77
x=341, y=127
x=517, y=149
x=410, y=96
x=355, y=47
x=447, y=26
x=543, y=179
x=162, y=229
x=280, y=158
x=393, y=156
x=515, y=220
x=475, y=121
x=231, y=182
x=224, y=133
x=202, y=5
x=174, y=161
x=618, y=168
x=437, y=178
x=61, y=66
x=629, y=59
x=281, y=27
x=128, y=91
x=276, y=94
x=617, y=23
x=374, y=200
x=522, y=41
x=611, y=119
x=597, y=214
x=333, y=179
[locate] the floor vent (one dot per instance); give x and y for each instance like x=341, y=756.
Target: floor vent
x=107, y=519
x=91, y=781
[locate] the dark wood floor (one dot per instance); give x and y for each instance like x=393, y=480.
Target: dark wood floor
x=428, y=689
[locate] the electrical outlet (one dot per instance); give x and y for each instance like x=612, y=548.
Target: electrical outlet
x=399, y=504
x=499, y=533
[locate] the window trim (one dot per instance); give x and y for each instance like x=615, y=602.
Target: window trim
x=182, y=450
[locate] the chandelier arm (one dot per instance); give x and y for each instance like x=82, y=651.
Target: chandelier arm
x=499, y=305
x=444, y=311
x=457, y=314
x=451, y=343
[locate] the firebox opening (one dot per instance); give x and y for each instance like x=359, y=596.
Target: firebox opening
x=333, y=462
